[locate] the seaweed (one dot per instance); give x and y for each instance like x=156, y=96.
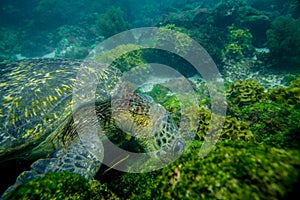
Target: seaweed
x=243, y=93
x=283, y=39
x=111, y=22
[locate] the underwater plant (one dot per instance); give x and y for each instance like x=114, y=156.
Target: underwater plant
x=283, y=40
x=233, y=129
x=239, y=44
x=111, y=22
x=123, y=62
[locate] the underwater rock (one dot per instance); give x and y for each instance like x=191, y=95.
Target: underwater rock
x=233, y=170
x=63, y=185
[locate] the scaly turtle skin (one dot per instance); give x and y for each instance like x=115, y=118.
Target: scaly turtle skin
x=36, y=117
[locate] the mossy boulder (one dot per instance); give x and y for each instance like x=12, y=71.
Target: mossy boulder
x=273, y=124
x=175, y=39
x=233, y=170
x=63, y=185
x=233, y=128
x=243, y=93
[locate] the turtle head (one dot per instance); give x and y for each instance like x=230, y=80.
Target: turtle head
x=167, y=139
x=149, y=122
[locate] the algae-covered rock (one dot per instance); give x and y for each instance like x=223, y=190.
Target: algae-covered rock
x=121, y=60
x=273, y=124
x=233, y=129
x=63, y=185
x=246, y=92
x=287, y=96
x=233, y=170
x=173, y=35
x=275, y=119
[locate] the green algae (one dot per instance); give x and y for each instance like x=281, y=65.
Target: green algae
x=63, y=185
x=243, y=93
x=233, y=170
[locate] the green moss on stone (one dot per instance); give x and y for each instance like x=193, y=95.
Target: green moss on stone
x=233, y=170
x=62, y=185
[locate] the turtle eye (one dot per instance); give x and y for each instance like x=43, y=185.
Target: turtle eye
x=178, y=147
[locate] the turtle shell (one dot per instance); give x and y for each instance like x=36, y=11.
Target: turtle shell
x=35, y=98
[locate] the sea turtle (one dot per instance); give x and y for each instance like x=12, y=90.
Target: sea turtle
x=37, y=122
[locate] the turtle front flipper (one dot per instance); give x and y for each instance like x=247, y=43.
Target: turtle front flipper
x=76, y=159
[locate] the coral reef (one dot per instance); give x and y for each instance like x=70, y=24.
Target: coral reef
x=9, y=44
x=252, y=42
x=181, y=43
x=74, y=42
x=204, y=34
x=275, y=119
